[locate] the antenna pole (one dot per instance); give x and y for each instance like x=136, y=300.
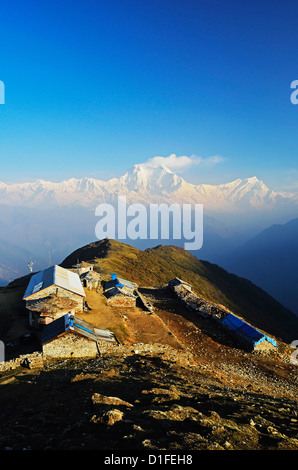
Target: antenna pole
x=30, y=266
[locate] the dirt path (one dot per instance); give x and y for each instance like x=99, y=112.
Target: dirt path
x=130, y=325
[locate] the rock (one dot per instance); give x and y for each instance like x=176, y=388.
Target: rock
x=108, y=418
x=175, y=413
x=215, y=416
x=215, y=446
x=227, y=445
x=138, y=428
x=148, y=444
x=111, y=417
x=98, y=399
x=162, y=395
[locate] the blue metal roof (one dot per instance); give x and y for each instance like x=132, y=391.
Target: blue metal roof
x=119, y=282
x=70, y=323
x=246, y=331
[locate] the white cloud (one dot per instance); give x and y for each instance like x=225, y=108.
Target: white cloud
x=183, y=162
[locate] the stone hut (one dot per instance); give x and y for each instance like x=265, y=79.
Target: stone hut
x=119, y=297
x=72, y=337
x=120, y=292
x=177, y=284
x=82, y=267
x=205, y=309
x=52, y=293
x=90, y=279
x=117, y=281
x=249, y=336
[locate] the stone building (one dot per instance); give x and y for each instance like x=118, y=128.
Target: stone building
x=52, y=293
x=176, y=284
x=44, y=311
x=83, y=267
x=91, y=279
x=205, y=309
x=120, y=292
x=119, y=297
x=72, y=337
x=249, y=336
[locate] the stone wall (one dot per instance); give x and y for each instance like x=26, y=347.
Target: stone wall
x=214, y=312
x=121, y=301
x=196, y=303
x=264, y=346
x=27, y=360
x=70, y=345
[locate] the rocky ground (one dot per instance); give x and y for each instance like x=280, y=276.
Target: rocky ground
x=142, y=397
x=190, y=389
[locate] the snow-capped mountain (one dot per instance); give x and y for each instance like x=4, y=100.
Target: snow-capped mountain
x=146, y=184
x=43, y=218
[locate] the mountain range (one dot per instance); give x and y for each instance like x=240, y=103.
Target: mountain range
x=150, y=184
x=42, y=221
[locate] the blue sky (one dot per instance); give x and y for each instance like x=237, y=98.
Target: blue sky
x=93, y=87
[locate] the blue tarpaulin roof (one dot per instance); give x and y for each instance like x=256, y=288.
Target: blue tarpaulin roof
x=70, y=323
x=119, y=282
x=246, y=331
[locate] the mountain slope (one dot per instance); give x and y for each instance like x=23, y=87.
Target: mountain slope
x=156, y=266
x=270, y=260
x=191, y=391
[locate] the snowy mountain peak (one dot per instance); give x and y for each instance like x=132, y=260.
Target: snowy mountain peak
x=252, y=179
x=149, y=178
x=150, y=183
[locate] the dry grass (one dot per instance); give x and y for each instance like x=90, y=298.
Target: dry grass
x=130, y=325
x=156, y=266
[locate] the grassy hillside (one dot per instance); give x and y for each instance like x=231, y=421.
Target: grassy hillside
x=156, y=266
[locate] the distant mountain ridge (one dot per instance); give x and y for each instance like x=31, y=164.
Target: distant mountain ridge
x=143, y=183
x=270, y=260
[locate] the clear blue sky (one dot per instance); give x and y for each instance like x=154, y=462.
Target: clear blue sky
x=92, y=87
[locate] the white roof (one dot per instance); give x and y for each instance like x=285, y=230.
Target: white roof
x=55, y=275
